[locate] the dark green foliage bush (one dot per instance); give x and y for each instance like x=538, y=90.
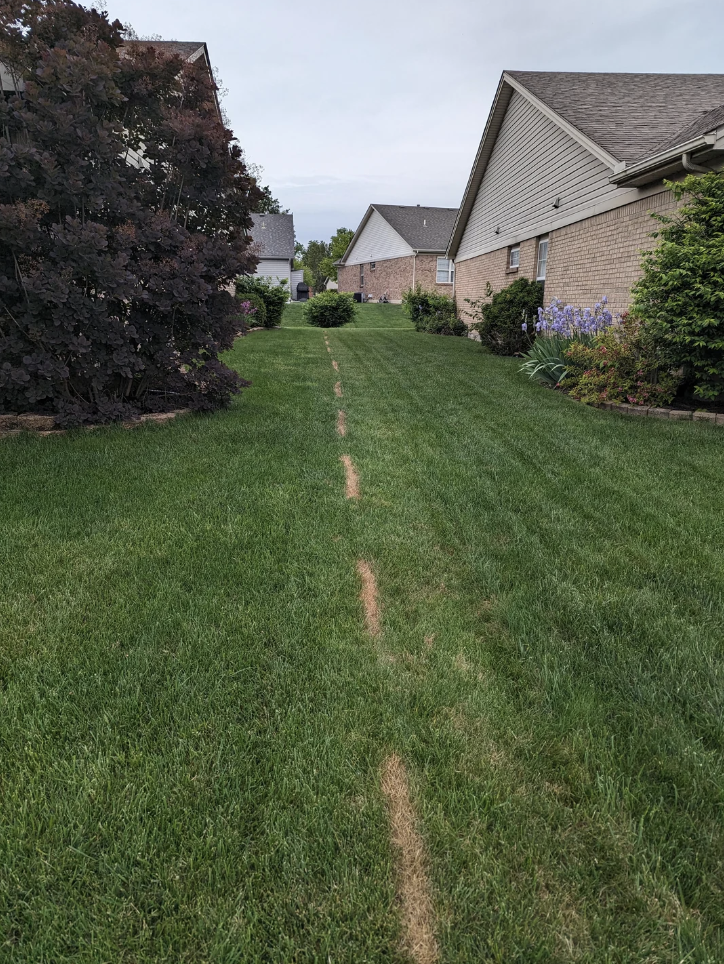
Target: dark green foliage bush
x=331, y=309
x=258, y=317
x=433, y=313
x=274, y=296
x=681, y=293
x=500, y=320
x=620, y=365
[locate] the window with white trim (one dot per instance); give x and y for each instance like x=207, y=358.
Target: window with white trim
x=514, y=257
x=373, y=265
x=445, y=271
x=361, y=276
x=540, y=274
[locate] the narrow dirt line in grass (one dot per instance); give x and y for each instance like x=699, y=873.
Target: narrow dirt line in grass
x=335, y=366
x=369, y=598
x=341, y=424
x=413, y=886
x=338, y=389
x=351, y=489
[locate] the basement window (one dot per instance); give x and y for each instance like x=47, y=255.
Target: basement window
x=514, y=257
x=445, y=271
x=540, y=274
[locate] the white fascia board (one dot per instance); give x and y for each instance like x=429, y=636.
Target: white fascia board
x=591, y=146
x=713, y=141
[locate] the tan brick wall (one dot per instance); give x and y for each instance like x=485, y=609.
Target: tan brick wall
x=595, y=257
x=394, y=277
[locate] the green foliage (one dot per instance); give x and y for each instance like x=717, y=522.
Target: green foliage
x=621, y=365
x=433, y=313
x=500, y=320
x=545, y=360
x=331, y=309
x=681, y=293
x=259, y=316
x=337, y=247
x=274, y=296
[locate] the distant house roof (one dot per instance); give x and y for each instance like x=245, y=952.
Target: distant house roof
x=628, y=115
x=273, y=235
x=424, y=229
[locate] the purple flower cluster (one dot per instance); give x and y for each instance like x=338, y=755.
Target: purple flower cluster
x=570, y=322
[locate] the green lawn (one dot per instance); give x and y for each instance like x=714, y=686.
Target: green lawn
x=193, y=720
x=368, y=316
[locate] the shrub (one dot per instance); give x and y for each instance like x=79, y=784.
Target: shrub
x=681, y=293
x=558, y=327
x=506, y=321
x=331, y=309
x=113, y=277
x=433, y=313
x=274, y=296
x=621, y=365
x=257, y=317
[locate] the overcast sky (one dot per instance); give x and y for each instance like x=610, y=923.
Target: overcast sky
x=385, y=101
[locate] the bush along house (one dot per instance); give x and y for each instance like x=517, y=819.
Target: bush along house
x=398, y=247
x=568, y=172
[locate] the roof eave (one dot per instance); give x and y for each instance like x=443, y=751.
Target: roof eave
x=666, y=162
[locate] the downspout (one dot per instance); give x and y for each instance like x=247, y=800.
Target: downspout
x=414, y=266
x=693, y=168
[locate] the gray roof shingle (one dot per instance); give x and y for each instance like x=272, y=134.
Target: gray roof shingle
x=273, y=234
x=424, y=229
x=704, y=124
x=628, y=115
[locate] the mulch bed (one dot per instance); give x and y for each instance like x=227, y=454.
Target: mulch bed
x=45, y=424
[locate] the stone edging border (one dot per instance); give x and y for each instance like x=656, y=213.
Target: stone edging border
x=45, y=424
x=674, y=414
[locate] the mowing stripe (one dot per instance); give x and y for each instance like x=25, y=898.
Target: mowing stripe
x=351, y=488
x=338, y=389
x=369, y=598
x=413, y=886
x=335, y=366
x=341, y=424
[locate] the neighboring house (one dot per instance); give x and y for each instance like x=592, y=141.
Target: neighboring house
x=398, y=247
x=273, y=237
x=568, y=170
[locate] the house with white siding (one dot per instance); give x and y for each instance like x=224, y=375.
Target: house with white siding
x=569, y=169
x=273, y=238
x=397, y=247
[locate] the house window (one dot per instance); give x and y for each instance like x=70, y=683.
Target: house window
x=514, y=257
x=540, y=274
x=445, y=271
x=361, y=276
x=373, y=265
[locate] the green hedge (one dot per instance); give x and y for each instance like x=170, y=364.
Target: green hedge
x=331, y=309
x=502, y=319
x=435, y=314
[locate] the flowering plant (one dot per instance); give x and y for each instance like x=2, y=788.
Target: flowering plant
x=575, y=323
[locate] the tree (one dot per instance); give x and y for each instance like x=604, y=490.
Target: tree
x=315, y=256
x=681, y=294
x=113, y=275
x=266, y=203
x=337, y=247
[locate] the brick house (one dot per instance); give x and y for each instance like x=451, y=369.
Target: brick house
x=397, y=247
x=569, y=169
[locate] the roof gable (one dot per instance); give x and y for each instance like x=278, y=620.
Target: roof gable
x=627, y=115
x=407, y=229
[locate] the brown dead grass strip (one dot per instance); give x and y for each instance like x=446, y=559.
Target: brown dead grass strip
x=351, y=488
x=338, y=389
x=368, y=598
x=335, y=366
x=413, y=886
x=341, y=424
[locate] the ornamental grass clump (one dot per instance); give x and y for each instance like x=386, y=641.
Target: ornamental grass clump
x=331, y=309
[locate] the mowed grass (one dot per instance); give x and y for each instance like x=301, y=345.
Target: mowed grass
x=193, y=721
x=368, y=316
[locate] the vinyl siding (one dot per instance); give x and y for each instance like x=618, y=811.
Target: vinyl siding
x=378, y=242
x=275, y=269
x=532, y=163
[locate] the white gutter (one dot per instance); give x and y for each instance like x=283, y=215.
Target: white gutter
x=675, y=155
